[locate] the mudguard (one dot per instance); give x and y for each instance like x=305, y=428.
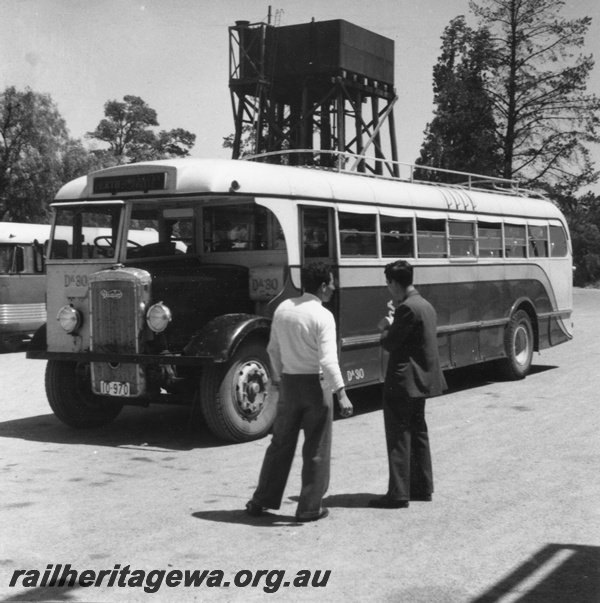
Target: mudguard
x=220, y=338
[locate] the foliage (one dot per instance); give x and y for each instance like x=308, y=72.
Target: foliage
x=247, y=141
x=511, y=96
x=583, y=215
x=545, y=117
x=462, y=135
x=126, y=130
x=37, y=156
x=33, y=136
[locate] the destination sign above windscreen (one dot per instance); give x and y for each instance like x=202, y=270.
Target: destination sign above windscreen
x=130, y=182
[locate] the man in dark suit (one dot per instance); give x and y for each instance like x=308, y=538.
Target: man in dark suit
x=413, y=374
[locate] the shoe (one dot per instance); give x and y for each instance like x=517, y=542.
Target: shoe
x=253, y=509
x=385, y=502
x=421, y=497
x=322, y=515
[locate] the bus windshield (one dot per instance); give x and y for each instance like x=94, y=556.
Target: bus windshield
x=85, y=232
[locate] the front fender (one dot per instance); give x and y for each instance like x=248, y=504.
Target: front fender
x=220, y=338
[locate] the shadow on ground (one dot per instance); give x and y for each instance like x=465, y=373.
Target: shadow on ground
x=239, y=516
x=174, y=427
x=557, y=573
x=44, y=593
x=160, y=426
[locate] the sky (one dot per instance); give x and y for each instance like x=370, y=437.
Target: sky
x=174, y=54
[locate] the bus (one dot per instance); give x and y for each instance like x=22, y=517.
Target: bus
x=22, y=282
x=160, y=323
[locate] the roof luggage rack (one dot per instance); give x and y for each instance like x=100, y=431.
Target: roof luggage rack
x=347, y=163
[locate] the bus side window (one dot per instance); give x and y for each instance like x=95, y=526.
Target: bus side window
x=431, y=238
x=358, y=234
x=462, y=239
x=5, y=259
x=514, y=241
x=490, y=240
x=538, y=241
x=558, y=242
x=396, y=237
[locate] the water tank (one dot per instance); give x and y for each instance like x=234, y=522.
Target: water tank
x=328, y=48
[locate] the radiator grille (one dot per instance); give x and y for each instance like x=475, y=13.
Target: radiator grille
x=118, y=302
x=115, y=317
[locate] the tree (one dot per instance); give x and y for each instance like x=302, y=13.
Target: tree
x=545, y=117
x=583, y=215
x=78, y=161
x=32, y=139
x=126, y=130
x=247, y=146
x=462, y=135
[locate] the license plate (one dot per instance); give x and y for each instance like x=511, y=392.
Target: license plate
x=115, y=388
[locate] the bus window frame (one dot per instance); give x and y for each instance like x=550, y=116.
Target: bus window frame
x=516, y=222
x=498, y=222
x=123, y=221
x=402, y=215
x=359, y=209
x=460, y=219
x=531, y=242
x=273, y=220
x=554, y=224
x=433, y=216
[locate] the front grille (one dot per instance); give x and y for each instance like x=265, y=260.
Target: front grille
x=115, y=317
x=118, y=302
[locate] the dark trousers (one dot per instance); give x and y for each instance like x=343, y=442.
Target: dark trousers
x=303, y=405
x=409, y=457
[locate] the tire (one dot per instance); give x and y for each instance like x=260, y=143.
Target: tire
x=518, y=345
x=70, y=396
x=235, y=398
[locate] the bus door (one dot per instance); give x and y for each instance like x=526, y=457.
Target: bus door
x=318, y=244
x=317, y=234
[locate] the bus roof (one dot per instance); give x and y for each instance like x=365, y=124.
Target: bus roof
x=237, y=178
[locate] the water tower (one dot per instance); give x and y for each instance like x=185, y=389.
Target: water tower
x=322, y=86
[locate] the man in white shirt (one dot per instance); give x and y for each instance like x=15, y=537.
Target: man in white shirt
x=303, y=353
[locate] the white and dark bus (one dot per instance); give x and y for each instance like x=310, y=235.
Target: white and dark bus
x=186, y=319
x=22, y=282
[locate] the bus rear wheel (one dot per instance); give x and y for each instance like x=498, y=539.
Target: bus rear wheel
x=70, y=396
x=518, y=344
x=235, y=399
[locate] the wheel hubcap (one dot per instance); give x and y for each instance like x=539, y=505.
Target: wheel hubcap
x=522, y=345
x=251, y=389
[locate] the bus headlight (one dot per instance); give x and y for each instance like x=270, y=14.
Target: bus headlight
x=69, y=319
x=158, y=317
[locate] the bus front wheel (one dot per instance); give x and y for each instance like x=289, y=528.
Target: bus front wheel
x=518, y=344
x=70, y=396
x=235, y=399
